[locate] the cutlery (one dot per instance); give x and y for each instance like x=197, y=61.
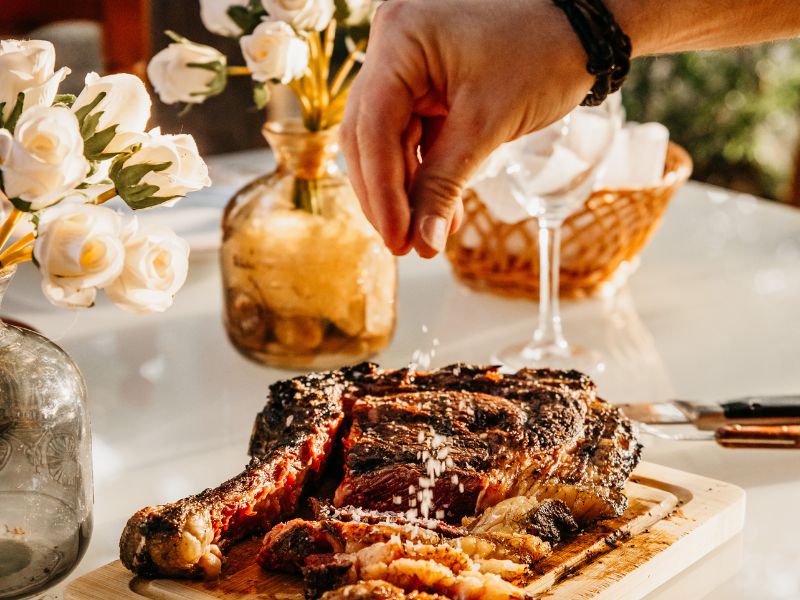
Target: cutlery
x=751, y=410
x=736, y=436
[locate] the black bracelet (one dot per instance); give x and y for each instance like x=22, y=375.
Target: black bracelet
x=608, y=48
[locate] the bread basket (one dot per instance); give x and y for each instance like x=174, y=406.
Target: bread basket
x=599, y=243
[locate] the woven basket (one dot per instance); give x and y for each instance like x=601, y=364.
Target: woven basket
x=604, y=238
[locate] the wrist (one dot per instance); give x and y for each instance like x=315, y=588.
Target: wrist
x=607, y=47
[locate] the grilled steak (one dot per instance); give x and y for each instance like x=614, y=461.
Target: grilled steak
x=186, y=539
x=446, y=444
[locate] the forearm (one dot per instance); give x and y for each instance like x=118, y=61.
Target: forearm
x=663, y=26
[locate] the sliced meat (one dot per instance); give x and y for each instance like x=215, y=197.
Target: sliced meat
x=377, y=590
x=288, y=546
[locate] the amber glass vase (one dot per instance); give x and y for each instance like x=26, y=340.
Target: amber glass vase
x=308, y=283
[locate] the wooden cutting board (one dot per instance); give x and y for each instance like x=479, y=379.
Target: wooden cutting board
x=673, y=519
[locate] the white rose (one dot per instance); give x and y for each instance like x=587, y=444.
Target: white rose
x=78, y=248
x=274, y=51
x=126, y=105
x=302, y=14
x=43, y=159
x=156, y=264
x=361, y=11
x=176, y=80
x=26, y=66
x=214, y=14
x=177, y=169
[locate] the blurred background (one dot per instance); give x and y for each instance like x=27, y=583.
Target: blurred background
x=737, y=111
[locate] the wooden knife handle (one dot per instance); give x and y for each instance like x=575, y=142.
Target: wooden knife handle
x=759, y=436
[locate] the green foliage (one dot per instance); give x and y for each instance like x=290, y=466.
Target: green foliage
x=64, y=100
x=13, y=116
x=737, y=112
x=261, y=94
x=247, y=17
x=95, y=142
x=128, y=181
x=217, y=85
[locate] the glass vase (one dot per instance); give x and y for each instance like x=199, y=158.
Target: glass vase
x=45, y=461
x=308, y=283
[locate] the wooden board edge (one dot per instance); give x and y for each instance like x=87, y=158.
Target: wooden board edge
x=722, y=518
x=713, y=512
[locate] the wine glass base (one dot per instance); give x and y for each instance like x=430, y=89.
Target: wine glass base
x=526, y=355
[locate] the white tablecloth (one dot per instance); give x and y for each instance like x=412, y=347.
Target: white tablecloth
x=712, y=313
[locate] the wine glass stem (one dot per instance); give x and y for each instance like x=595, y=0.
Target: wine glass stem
x=549, y=332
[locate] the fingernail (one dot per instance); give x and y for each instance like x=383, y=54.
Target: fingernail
x=433, y=230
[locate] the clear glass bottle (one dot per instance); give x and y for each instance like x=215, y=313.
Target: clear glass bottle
x=46, y=489
x=308, y=283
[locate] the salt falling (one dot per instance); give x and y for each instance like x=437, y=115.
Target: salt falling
x=435, y=459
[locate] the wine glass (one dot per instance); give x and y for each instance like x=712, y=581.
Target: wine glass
x=551, y=173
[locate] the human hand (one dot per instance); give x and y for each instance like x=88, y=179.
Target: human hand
x=455, y=78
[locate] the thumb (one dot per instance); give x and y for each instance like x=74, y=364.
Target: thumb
x=435, y=194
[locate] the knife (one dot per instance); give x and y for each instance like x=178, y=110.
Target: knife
x=752, y=410
x=774, y=437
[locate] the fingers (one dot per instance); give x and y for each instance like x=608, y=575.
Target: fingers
x=350, y=149
x=461, y=145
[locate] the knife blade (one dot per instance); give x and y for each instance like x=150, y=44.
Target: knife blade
x=751, y=410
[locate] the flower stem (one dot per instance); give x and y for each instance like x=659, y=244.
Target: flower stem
x=8, y=225
x=346, y=67
x=234, y=71
x=330, y=38
x=23, y=255
x=105, y=196
x=18, y=245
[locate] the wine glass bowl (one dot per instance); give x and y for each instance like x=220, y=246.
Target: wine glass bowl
x=551, y=173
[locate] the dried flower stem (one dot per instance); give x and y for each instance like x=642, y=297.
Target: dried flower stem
x=18, y=245
x=10, y=223
x=347, y=66
x=105, y=196
x=24, y=255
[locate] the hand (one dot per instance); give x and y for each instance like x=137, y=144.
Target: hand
x=455, y=78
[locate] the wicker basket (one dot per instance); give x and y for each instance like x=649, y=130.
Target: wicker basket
x=600, y=240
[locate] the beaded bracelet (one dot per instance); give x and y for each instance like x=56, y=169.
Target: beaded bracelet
x=608, y=48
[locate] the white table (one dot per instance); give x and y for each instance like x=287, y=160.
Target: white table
x=712, y=313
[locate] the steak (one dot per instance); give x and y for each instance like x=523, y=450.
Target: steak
x=446, y=444
x=187, y=538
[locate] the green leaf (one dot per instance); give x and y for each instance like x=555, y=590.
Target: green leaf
x=89, y=125
x=247, y=17
x=13, y=117
x=94, y=146
x=261, y=95
x=176, y=37
x=217, y=85
x=342, y=11
x=128, y=181
x=83, y=111
x=20, y=204
x=65, y=100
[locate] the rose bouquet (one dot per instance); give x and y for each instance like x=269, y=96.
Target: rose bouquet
x=287, y=42
x=62, y=157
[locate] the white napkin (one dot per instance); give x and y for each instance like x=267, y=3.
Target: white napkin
x=637, y=157
x=551, y=159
